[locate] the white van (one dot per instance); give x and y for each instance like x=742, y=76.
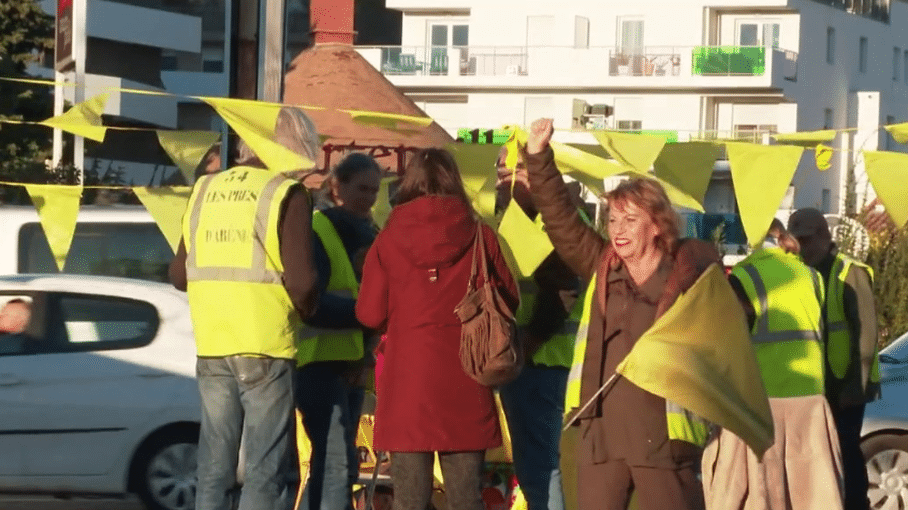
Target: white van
x=111, y=240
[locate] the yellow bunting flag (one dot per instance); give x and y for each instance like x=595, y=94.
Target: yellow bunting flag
x=166, y=205
x=513, y=152
x=688, y=166
x=527, y=243
x=678, y=196
x=706, y=366
x=637, y=151
x=477, y=169
x=899, y=132
x=761, y=176
x=585, y=167
x=187, y=148
x=58, y=209
x=888, y=173
x=382, y=207
x=823, y=157
x=254, y=121
x=83, y=119
x=389, y=121
x=807, y=138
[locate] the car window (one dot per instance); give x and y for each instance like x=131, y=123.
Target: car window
x=896, y=351
x=85, y=322
x=132, y=250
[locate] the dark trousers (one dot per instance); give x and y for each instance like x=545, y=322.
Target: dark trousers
x=608, y=486
x=848, y=421
x=411, y=473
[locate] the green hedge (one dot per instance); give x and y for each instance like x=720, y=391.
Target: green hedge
x=888, y=256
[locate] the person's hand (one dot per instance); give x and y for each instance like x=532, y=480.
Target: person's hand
x=539, y=136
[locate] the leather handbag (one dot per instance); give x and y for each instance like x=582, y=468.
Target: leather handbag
x=490, y=351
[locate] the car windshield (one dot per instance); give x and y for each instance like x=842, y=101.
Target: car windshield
x=897, y=351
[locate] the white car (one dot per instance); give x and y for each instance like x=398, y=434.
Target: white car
x=99, y=395
x=885, y=432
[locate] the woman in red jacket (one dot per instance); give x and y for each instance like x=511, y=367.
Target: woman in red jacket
x=415, y=274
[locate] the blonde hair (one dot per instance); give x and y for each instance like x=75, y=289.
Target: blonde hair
x=294, y=130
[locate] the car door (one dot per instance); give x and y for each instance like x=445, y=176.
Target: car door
x=73, y=403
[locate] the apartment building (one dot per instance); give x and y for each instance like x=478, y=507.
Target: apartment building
x=688, y=69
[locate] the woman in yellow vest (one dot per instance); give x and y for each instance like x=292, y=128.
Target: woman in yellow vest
x=803, y=469
x=331, y=356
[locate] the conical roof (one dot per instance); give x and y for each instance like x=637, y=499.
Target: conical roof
x=336, y=77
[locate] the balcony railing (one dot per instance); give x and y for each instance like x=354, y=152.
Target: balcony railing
x=651, y=61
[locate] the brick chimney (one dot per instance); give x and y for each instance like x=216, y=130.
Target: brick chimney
x=332, y=21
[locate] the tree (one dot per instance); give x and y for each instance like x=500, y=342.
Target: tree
x=26, y=35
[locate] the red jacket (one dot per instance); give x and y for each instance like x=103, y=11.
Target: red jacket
x=425, y=400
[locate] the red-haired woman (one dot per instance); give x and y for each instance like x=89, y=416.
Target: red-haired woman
x=414, y=276
x=638, y=273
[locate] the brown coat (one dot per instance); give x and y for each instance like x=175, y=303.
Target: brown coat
x=584, y=250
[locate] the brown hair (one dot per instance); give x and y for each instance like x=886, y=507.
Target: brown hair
x=648, y=195
x=784, y=237
x=352, y=164
x=431, y=172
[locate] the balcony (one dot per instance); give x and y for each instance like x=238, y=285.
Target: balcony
x=509, y=66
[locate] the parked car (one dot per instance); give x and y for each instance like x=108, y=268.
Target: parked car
x=885, y=432
x=98, y=394
x=112, y=240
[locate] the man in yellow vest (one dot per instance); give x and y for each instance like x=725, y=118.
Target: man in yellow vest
x=547, y=321
x=245, y=260
x=852, y=365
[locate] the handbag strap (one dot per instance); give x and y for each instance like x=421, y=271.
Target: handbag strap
x=483, y=261
x=477, y=240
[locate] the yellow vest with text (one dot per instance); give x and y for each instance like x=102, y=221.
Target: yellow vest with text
x=681, y=424
x=838, y=343
x=557, y=351
x=234, y=273
x=787, y=333
x=322, y=344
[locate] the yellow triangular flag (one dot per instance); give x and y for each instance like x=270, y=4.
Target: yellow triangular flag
x=83, y=119
x=807, y=138
x=187, y=148
x=706, y=366
x=823, y=157
x=166, y=205
x=761, y=175
x=888, y=173
x=513, y=152
x=477, y=169
x=899, y=132
x=528, y=243
x=637, y=151
x=688, y=166
x=389, y=121
x=254, y=122
x=382, y=207
x=58, y=209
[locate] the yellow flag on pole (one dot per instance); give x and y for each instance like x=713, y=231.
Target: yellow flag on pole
x=477, y=169
x=807, y=138
x=688, y=166
x=254, y=122
x=166, y=205
x=761, y=176
x=187, y=148
x=526, y=241
x=637, y=151
x=888, y=173
x=706, y=366
x=58, y=209
x=382, y=207
x=83, y=119
x=898, y=131
x=823, y=157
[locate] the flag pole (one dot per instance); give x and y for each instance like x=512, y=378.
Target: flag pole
x=589, y=402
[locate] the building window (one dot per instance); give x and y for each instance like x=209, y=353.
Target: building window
x=630, y=125
x=754, y=132
x=896, y=63
x=581, y=32
x=825, y=203
x=759, y=33
x=830, y=45
x=630, y=36
x=827, y=118
x=862, y=55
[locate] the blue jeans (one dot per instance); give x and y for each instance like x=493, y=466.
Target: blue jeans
x=331, y=407
x=534, y=406
x=256, y=394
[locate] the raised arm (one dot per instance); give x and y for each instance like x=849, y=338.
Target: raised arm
x=578, y=244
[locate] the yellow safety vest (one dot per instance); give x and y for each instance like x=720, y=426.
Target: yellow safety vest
x=787, y=332
x=557, y=351
x=237, y=299
x=838, y=343
x=322, y=344
x=681, y=424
